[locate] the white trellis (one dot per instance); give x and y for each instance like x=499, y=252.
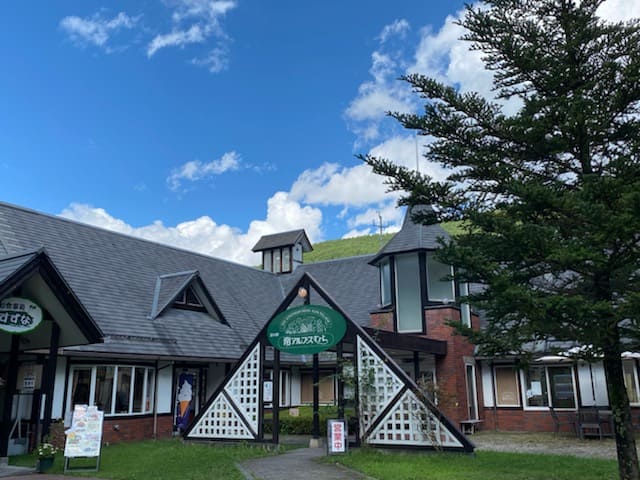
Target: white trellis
x=233, y=414
x=409, y=421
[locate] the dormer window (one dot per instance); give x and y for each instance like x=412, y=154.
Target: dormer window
x=188, y=300
x=385, y=282
x=282, y=252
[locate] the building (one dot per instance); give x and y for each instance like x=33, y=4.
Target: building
x=147, y=332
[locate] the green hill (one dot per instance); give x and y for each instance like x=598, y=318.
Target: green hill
x=351, y=247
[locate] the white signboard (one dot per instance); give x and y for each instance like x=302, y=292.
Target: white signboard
x=267, y=391
x=337, y=440
x=84, y=438
x=19, y=315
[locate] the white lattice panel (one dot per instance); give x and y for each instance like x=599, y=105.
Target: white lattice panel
x=410, y=422
x=243, y=387
x=377, y=384
x=221, y=421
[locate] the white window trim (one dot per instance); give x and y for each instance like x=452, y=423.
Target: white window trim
x=453, y=286
x=114, y=388
x=397, y=309
x=523, y=382
x=635, y=379
x=475, y=388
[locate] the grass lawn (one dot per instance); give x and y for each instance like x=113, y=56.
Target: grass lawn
x=482, y=466
x=162, y=460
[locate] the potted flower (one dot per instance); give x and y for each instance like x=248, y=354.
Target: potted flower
x=46, y=454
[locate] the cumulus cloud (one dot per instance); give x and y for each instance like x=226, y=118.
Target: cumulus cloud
x=205, y=236
x=197, y=170
x=97, y=29
x=619, y=10
x=197, y=21
x=399, y=27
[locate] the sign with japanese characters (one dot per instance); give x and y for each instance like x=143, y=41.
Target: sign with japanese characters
x=306, y=329
x=19, y=315
x=337, y=439
x=85, y=435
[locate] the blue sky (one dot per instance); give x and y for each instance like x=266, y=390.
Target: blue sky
x=208, y=123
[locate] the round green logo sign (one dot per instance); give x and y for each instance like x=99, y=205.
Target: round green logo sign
x=19, y=315
x=306, y=329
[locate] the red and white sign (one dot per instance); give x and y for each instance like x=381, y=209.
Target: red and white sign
x=337, y=436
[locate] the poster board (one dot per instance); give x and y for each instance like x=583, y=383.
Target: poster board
x=337, y=437
x=84, y=438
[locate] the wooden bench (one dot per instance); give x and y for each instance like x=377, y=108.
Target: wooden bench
x=468, y=427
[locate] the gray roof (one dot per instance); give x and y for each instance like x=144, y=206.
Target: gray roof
x=284, y=239
x=413, y=236
x=120, y=280
x=10, y=264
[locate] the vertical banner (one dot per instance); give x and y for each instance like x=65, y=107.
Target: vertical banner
x=184, y=404
x=337, y=437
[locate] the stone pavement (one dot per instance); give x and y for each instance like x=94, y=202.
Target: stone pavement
x=300, y=464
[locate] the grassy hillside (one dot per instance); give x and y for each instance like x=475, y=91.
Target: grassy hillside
x=350, y=247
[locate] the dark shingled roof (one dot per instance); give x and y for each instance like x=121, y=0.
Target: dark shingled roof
x=284, y=239
x=413, y=236
x=10, y=264
x=115, y=277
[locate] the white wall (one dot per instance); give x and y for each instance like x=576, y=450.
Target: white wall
x=165, y=388
x=58, y=388
x=296, y=387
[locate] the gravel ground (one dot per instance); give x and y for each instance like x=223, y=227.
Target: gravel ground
x=544, y=443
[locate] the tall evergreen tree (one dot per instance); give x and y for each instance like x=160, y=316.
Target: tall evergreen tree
x=550, y=196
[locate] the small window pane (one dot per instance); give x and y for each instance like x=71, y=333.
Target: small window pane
x=507, y=394
x=123, y=387
x=630, y=381
x=104, y=389
x=138, y=390
x=286, y=260
x=148, y=403
x=409, y=307
x=192, y=298
x=276, y=261
x=536, y=387
x=81, y=386
x=561, y=379
x=439, y=290
x=385, y=283
x=266, y=261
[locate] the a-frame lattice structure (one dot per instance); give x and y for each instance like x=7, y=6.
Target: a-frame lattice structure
x=391, y=409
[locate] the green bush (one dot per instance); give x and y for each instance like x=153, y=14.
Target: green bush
x=303, y=423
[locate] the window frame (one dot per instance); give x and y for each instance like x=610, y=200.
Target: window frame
x=148, y=397
x=438, y=301
x=516, y=377
x=549, y=389
x=636, y=385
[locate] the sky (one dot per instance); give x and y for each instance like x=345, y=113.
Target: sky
x=206, y=124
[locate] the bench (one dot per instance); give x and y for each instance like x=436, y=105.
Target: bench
x=468, y=427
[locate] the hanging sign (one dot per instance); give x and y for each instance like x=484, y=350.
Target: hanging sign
x=19, y=315
x=307, y=329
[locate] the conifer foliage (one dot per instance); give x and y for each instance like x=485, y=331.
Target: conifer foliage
x=549, y=195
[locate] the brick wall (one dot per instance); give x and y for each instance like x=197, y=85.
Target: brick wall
x=125, y=429
x=450, y=370
x=382, y=321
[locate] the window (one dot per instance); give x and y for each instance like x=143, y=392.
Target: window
x=465, y=311
x=631, y=380
x=276, y=261
x=266, y=261
x=551, y=386
x=408, y=298
x=189, y=300
x=385, y=282
x=286, y=260
x=506, y=385
x=114, y=389
x=439, y=290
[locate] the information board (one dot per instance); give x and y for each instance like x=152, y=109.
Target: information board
x=84, y=438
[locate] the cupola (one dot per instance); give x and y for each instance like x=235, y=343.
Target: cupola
x=283, y=252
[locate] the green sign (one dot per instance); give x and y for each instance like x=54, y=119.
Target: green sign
x=19, y=315
x=306, y=329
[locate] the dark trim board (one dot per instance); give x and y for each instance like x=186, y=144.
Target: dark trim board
x=405, y=341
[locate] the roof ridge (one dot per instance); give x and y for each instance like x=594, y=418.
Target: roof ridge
x=120, y=234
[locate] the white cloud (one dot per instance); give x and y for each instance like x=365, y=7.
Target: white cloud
x=205, y=236
x=197, y=21
x=96, y=29
x=216, y=61
x=386, y=215
x=197, y=170
x=331, y=184
x=177, y=38
x=399, y=27
x=619, y=10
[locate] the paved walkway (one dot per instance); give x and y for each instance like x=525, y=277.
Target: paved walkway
x=300, y=464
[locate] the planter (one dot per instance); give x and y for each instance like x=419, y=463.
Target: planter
x=44, y=464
